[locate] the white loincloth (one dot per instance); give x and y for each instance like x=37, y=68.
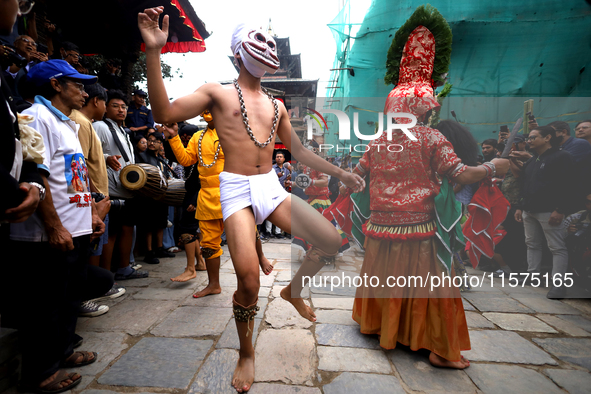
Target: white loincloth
x=262, y=192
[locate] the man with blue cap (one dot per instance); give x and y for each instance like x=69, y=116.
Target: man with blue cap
x=56, y=237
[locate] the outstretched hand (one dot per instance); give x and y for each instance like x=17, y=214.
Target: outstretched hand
x=154, y=37
x=169, y=130
x=353, y=181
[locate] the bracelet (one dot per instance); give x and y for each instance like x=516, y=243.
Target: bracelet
x=41, y=190
x=490, y=168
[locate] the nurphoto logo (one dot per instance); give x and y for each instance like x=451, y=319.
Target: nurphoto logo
x=345, y=129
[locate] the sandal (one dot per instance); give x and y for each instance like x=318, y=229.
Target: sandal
x=55, y=386
x=85, y=359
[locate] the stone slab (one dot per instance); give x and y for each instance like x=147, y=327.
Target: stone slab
x=286, y=356
x=584, y=305
x=575, y=382
x=284, y=276
x=343, y=359
x=108, y=345
x=572, y=350
x=467, y=305
x=264, y=292
x=333, y=303
x=505, y=347
x=158, y=362
x=134, y=317
x=267, y=280
x=363, y=383
x=498, y=304
x=345, y=336
x=190, y=321
x=476, y=320
x=502, y=379
x=229, y=338
x=266, y=388
x=416, y=371
x=228, y=280
x=564, y=325
x=335, y=316
x=222, y=300
x=579, y=321
x=215, y=375
x=162, y=293
x=545, y=305
x=518, y=322
x=281, y=313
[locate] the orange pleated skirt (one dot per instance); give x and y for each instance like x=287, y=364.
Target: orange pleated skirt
x=415, y=316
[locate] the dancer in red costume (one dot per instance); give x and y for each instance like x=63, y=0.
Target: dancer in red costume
x=400, y=234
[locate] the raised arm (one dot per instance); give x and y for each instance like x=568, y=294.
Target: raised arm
x=293, y=144
x=163, y=110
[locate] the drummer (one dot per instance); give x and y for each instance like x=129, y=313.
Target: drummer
x=118, y=152
x=204, y=149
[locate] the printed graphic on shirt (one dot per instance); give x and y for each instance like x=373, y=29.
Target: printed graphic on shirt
x=76, y=174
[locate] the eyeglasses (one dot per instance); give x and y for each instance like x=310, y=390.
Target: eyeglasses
x=28, y=41
x=154, y=141
x=25, y=6
x=531, y=138
x=118, y=106
x=582, y=128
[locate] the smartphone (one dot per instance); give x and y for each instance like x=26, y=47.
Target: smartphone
x=42, y=48
x=530, y=116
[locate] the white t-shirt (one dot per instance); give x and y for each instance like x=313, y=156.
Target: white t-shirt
x=68, y=179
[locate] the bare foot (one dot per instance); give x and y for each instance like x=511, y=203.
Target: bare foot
x=266, y=266
x=185, y=276
x=299, y=304
x=209, y=290
x=438, y=361
x=243, y=374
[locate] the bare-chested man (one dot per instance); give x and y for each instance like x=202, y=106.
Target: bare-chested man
x=250, y=191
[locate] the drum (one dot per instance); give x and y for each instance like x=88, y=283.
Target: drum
x=145, y=179
x=175, y=193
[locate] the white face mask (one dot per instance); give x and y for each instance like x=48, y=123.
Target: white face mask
x=257, y=49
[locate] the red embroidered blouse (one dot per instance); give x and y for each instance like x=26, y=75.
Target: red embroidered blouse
x=403, y=180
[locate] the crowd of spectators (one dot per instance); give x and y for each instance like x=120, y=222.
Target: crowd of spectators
x=65, y=216
x=548, y=188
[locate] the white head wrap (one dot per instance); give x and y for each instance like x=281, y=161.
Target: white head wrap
x=258, y=56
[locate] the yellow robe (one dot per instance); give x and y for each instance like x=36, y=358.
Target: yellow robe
x=208, y=201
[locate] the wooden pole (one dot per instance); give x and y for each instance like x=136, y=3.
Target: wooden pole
x=528, y=106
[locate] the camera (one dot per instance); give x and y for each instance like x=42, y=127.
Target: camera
x=116, y=205
x=11, y=57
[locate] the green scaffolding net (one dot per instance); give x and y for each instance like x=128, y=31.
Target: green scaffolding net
x=515, y=50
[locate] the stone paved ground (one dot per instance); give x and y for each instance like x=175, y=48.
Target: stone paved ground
x=158, y=339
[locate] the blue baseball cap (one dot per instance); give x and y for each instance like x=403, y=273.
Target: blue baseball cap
x=43, y=72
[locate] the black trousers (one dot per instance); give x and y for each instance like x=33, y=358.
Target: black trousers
x=41, y=290
x=98, y=282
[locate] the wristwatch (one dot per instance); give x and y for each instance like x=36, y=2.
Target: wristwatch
x=41, y=190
